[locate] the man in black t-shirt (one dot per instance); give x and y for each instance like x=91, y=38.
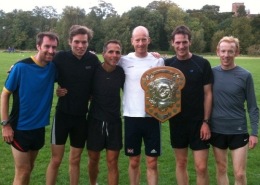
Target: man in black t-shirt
x=76, y=69
x=190, y=127
x=104, y=119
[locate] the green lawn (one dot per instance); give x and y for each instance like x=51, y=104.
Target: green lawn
x=166, y=161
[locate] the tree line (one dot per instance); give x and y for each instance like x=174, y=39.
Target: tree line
x=19, y=28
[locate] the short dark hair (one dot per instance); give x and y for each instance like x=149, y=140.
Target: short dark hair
x=114, y=41
x=51, y=35
x=79, y=29
x=182, y=29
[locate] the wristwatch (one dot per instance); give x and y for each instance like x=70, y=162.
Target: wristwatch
x=4, y=122
x=206, y=121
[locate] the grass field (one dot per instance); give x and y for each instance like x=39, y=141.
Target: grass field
x=166, y=161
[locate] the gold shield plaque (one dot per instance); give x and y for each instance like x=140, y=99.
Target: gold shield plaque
x=162, y=86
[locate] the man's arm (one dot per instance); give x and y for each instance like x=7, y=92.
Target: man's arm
x=205, y=130
x=7, y=131
x=253, y=112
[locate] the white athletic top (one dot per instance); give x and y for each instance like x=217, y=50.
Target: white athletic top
x=133, y=97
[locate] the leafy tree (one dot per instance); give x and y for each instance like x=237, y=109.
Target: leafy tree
x=69, y=17
x=208, y=17
x=255, y=24
x=203, y=23
x=162, y=7
x=215, y=39
x=198, y=43
x=197, y=39
x=19, y=28
x=3, y=30
x=241, y=29
x=46, y=18
x=175, y=17
x=223, y=16
x=241, y=12
x=117, y=28
x=151, y=19
x=95, y=20
x=211, y=9
x=104, y=10
x=22, y=33
x=225, y=24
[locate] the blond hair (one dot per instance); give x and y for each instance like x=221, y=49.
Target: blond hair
x=229, y=39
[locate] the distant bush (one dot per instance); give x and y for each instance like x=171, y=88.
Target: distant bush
x=254, y=50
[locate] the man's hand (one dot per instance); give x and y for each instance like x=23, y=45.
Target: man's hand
x=61, y=91
x=156, y=54
x=253, y=140
x=205, y=133
x=7, y=133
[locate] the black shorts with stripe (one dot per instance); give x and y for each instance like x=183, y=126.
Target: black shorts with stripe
x=26, y=140
x=74, y=127
x=104, y=135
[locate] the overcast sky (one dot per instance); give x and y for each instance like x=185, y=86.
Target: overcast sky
x=125, y=5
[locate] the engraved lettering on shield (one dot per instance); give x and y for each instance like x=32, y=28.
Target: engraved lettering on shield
x=162, y=86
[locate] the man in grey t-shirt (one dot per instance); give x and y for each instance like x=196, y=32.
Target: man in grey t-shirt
x=233, y=86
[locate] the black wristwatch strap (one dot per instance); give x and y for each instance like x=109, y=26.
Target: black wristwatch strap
x=206, y=121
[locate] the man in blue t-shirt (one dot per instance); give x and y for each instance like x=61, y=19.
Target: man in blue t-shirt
x=31, y=82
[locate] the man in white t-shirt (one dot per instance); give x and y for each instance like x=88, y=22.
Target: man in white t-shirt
x=139, y=125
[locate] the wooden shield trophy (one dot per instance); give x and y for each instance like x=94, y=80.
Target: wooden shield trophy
x=162, y=86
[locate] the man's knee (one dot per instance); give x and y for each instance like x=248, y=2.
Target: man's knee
x=56, y=162
x=222, y=169
x=201, y=169
x=240, y=176
x=75, y=157
x=152, y=163
x=24, y=170
x=134, y=162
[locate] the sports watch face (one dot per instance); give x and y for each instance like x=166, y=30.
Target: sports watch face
x=4, y=123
